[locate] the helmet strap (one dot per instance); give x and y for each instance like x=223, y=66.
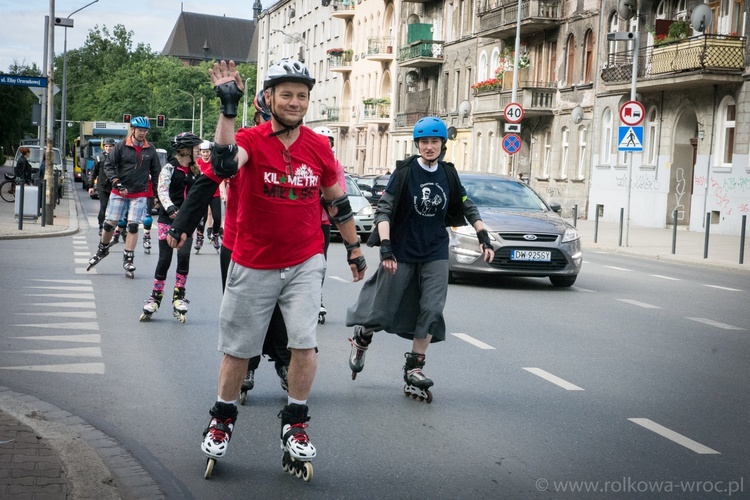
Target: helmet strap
x=285, y=127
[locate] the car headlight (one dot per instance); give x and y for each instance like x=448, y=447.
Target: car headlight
x=468, y=230
x=366, y=211
x=571, y=234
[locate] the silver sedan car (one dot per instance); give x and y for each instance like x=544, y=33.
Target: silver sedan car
x=529, y=236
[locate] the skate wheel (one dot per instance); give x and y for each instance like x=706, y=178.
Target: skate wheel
x=354, y=375
x=182, y=318
x=298, y=470
x=307, y=471
x=429, y=396
x=209, y=468
x=145, y=317
x=321, y=318
x=243, y=397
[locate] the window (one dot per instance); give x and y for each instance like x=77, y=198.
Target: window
x=613, y=27
x=547, y=153
x=480, y=164
x=565, y=145
x=482, y=74
x=494, y=61
x=606, y=137
x=492, y=157
x=582, y=140
x=725, y=136
x=552, y=63
x=588, y=56
x=570, y=63
x=456, y=94
x=652, y=136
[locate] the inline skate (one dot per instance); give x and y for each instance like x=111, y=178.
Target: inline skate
x=115, y=237
x=147, y=242
x=127, y=263
x=360, y=342
x=179, y=303
x=247, y=385
x=151, y=305
x=322, y=314
x=101, y=252
x=417, y=385
x=198, y=243
x=218, y=433
x=216, y=242
x=282, y=371
x=298, y=451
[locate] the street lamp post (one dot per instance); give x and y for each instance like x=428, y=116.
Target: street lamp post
x=192, y=122
x=244, y=115
x=64, y=107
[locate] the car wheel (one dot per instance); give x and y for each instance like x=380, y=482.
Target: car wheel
x=563, y=281
x=451, y=278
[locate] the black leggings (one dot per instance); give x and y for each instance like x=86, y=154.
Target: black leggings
x=165, y=259
x=103, y=201
x=215, y=206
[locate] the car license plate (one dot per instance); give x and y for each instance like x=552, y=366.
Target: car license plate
x=534, y=255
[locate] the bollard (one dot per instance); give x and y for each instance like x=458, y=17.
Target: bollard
x=575, y=215
x=708, y=230
x=622, y=218
x=43, y=193
x=22, y=185
x=674, y=231
x=742, y=239
x=596, y=225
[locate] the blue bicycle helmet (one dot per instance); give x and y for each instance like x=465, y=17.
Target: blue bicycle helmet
x=140, y=122
x=430, y=126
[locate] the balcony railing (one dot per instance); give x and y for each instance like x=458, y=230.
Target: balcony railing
x=704, y=53
x=536, y=98
x=342, y=9
x=497, y=18
x=341, y=62
x=341, y=116
x=422, y=53
x=380, y=48
x=411, y=118
x=377, y=110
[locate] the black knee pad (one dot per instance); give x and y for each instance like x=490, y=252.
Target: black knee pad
x=108, y=227
x=133, y=227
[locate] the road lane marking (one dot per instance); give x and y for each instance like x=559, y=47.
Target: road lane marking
x=92, y=325
x=78, y=368
x=581, y=289
x=66, y=314
x=639, y=304
x=723, y=288
x=342, y=280
x=82, y=254
x=82, y=296
x=87, y=352
x=82, y=305
x=473, y=341
x=68, y=282
x=674, y=436
x=554, y=379
x=664, y=277
x=717, y=324
x=93, y=338
x=618, y=268
x=65, y=288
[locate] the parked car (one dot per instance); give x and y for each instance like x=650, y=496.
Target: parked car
x=365, y=182
x=35, y=159
x=364, y=215
x=529, y=236
x=162, y=156
x=378, y=188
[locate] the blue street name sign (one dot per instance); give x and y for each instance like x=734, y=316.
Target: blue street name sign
x=630, y=138
x=23, y=81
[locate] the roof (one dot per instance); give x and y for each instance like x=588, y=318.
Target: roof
x=203, y=37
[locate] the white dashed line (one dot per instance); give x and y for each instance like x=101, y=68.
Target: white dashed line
x=717, y=324
x=618, y=268
x=473, y=341
x=81, y=368
x=674, y=436
x=664, y=277
x=723, y=288
x=639, y=304
x=554, y=379
x=581, y=289
x=341, y=280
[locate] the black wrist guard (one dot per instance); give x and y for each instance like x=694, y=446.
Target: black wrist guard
x=386, y=252
x=357, y=261
x=118, y=186
x=175, y=233
x=484, y=239
x=230, y=95
x=223, y=160
x=171, y=210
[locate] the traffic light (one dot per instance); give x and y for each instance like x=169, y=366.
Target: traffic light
x=126, y=118
x=160, y=119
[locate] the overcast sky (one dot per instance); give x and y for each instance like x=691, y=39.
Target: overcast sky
x=151, y=21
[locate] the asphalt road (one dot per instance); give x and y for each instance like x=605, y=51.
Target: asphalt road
x=634, y=381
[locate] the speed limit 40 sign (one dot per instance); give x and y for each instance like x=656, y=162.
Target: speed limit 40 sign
x=513, y=113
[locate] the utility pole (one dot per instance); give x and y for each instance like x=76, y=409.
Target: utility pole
x=49, y=169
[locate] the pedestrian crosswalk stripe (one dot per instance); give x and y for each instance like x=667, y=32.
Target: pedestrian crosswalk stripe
x=65, y=314
x=68, y=282
x=65, y=288
x=87, y=352
x=93, y=325
x=91, y=338
x=82, y=296
x=82, y=305
x=79, y=368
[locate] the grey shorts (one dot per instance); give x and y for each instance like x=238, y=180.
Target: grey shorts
x=251, y=295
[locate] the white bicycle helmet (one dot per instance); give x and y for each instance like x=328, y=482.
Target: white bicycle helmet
x=325, y=131
x=288, y=70
x=205, y=145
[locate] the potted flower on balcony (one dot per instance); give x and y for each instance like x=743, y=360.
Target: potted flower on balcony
x=335, y=52
x=490, y=85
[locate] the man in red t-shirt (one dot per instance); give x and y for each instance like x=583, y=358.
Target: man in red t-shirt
x=278, y=250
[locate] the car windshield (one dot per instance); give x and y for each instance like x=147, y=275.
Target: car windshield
x=36, y=153
x=351, y=187
x=500, y=193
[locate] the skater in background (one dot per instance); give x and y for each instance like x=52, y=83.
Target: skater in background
x=22, y=170
x=407, y=294
x=325, y=221
x=212, y=216
x=103, y=185
x=133, y=168
x=274, y=345
x=175, y=181
x=277, y=255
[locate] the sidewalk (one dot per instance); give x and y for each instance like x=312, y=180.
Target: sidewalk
x=36, y=438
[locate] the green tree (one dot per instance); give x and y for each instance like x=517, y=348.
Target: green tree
x=15, y=110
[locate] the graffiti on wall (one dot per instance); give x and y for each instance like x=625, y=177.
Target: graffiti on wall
x=728, y=194
x=679, y=192
x=643, y=182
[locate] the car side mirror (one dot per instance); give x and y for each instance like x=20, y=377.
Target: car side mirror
x=366, y=194
x=555, y=207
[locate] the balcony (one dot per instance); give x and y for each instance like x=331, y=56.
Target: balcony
x=342, y=9
x=339, y=117
x=497, y=18
x=340, y=62
x=380, y=49
x=377, y=111
x=411, y=118
x=421, y=54
x=700, y=61
x=537, y=99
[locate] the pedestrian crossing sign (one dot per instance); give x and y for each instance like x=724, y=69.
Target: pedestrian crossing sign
x=630, y=139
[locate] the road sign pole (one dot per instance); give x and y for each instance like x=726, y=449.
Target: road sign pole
x=633, y=84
